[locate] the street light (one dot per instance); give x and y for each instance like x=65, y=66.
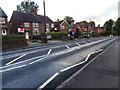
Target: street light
x=44, y=15
x=44, y=40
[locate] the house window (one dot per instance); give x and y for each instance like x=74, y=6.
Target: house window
x=62, y=27
x=48, y=30
x=4, y=32
x=47, y=25
x=26, y=25
x=35, y=24
x=36, y=31
x=2, y=20
x=52, y=25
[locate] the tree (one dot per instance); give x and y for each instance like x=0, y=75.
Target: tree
x=68, y=19
x=117, y=26
x=28, y=7
x=92, y=23
x=108, y=26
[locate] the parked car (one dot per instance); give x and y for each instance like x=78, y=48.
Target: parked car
x=49, y=37
x=86, y=35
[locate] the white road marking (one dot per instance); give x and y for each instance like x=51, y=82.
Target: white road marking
x=72, y=66
x=49, y=51
x=48, y=81
x=80, y=62
x=37, y=60
x=67, y=47
x=13, y=68
x=15, y=59
x=78, y=44
x=23, y=61
x=87, y=57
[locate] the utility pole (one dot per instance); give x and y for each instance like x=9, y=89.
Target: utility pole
x=119, y=9
x=44, y=15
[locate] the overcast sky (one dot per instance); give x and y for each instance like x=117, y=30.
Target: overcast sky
x=96, y=10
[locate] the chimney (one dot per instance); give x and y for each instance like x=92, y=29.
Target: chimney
x=58, y=20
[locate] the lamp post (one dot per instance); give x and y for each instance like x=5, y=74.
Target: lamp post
x=44, y=15
x=44, y=36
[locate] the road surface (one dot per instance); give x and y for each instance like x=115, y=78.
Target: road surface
x=30, y=68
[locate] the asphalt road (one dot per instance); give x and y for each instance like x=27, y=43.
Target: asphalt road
x=101, y=73
x=30, y=68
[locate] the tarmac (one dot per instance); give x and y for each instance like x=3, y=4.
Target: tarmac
x=101, y=73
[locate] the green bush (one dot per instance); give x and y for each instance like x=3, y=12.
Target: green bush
x=35, y=37
x=57, y=35
x=34, y=41
x=96, y=34
x=13, y=41
x=13, y=37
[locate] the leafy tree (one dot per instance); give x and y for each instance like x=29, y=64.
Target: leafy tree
x=28, y=6
x=117, y=26
x=92, y=23
x=68, y=19
x=108, y=26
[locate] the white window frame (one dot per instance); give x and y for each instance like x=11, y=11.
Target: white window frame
x=47, y=30
x=36, y=31
x=52, y=25
x=2, y=20
x=47, y=25
x=35, y=24
x=4, y=31
x=26, y=24
x=62, y=27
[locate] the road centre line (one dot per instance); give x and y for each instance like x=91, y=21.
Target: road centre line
x=37, y=60
x=69, y=50
x=48, y=81
x=23, y=61
x=28, y=52
x=67, y=47
x=13, y=68
x=49, y=51
x=78, y=44
x=29, y=59
x=52, y=55
x=15, y=59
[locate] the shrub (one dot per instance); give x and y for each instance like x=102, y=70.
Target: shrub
x=13, y=37
x=96, y=34
x=58, y=35
x=35, y=37
x=13, y=41
x=34, y=41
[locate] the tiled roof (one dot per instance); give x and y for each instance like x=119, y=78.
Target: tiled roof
x=57, y=23
x=28, y=17
x=2, y=13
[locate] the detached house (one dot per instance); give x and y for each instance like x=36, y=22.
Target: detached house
x=3, y=22
x=30, y=24
x=60, y=26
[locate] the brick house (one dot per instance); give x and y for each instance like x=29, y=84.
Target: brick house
x=32, y=24
x=99, y=29
x=60, y=26
x=3, y=22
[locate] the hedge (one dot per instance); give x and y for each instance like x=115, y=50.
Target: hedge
x=58, y=35
x=13, y=41
x=13, y=37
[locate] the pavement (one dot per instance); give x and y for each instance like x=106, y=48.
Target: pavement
x=101, y=73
